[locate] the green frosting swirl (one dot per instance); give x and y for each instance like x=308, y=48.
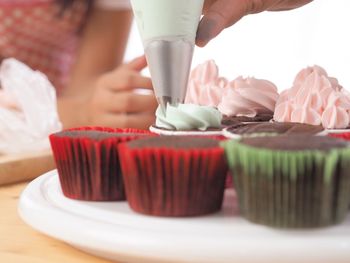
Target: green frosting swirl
x=188, y=117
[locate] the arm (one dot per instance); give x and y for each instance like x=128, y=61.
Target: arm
x=102, y=47
x=220, y=14
x=101, y=90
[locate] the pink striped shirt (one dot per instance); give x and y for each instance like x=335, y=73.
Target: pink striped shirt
x=33, y=32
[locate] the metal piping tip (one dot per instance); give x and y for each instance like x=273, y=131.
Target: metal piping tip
x=165, y=101
x=169, y=62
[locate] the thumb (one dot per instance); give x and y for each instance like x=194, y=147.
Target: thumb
x=137, y=64
x=221, y=14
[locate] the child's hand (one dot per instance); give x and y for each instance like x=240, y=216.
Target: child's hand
x=114, y=102
x=220, y=14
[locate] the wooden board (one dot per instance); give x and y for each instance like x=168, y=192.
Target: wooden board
x=21, y=244
x=24, y=167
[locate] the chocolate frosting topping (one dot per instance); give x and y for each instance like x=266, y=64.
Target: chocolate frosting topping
x=279, y=128
x=93, y=134
x=175, y=142
x=296, y=143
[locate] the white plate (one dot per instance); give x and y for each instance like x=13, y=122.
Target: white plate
x=338, y=131
x=113, y=231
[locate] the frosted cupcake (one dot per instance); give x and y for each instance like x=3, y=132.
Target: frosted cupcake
x=199, y=114
x=248, y=100
x=188, y=119
x=242, y=100
x=205, y=86
x=315, y=99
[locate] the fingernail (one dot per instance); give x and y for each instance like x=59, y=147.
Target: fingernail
x=205, y=32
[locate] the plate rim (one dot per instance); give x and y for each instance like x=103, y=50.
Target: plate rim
x=145, y=245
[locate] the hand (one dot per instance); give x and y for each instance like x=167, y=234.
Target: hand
x=220, y=14
x=114, y=101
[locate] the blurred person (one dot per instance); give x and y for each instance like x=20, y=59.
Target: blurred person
x=79, y=45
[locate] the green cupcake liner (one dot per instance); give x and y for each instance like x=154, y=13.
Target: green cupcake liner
x=290, y=189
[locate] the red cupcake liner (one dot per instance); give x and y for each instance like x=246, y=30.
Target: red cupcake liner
x=345, y=136
x=112, y=130
x=229, y=181
x=89, y=169
x=214, y=137
x=173, y=182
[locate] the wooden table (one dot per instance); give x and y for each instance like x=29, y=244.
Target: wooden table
x=21, y=244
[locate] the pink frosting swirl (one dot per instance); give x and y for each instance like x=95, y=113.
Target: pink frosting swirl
x=316, y=99
x=248, y=97
x=205, y=86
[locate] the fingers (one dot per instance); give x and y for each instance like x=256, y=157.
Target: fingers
x=142, y=103
x=287, y=5
x=127, y=77
x=221, y=14
x=138, y=121
x=131, y=103
x=136, y=64
x=125, y=102
x=115, y=102
x=123, y=109
x=125, y=80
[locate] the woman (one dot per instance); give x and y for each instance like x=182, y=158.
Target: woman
x=79, y=45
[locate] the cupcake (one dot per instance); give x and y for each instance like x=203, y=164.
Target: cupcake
x=315, y=99
x=241, y=100
x=205, y=86
x=87, y=162
x=248, y=100
x=174, y=176
x=270, y=128
x=188, y=119
x=295, y=181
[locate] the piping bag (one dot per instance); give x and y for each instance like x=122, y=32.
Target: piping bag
x=28, y=109
x=168, y=31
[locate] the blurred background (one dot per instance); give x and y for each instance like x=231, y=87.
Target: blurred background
x=275, y=46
